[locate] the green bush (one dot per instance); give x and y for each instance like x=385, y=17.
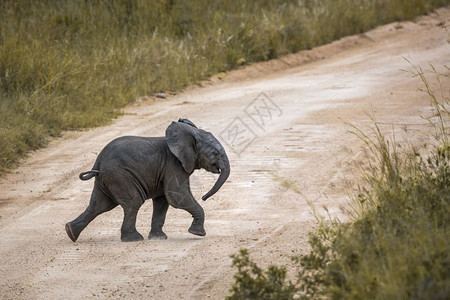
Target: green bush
x=396, y=247
x=73, y=64
x=254, y=283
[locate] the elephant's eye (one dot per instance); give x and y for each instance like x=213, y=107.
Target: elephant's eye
x=213, y=154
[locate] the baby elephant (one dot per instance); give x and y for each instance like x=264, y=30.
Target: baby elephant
x=131, y=169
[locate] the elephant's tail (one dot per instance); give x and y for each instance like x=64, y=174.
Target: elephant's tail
x=88, y=174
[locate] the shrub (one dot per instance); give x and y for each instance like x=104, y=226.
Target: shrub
x=396, y=246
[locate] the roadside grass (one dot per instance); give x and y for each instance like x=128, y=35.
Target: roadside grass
x=68, y=65
x=397, y=244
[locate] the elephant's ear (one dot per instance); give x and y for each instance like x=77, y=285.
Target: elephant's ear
x=181, y=141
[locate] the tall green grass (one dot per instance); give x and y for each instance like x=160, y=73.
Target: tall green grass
x=73, y=64
x=397, y=245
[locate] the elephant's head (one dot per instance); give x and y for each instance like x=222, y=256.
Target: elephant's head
x=195, y=149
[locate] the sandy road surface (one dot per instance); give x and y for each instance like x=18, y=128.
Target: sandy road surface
x=296, y=149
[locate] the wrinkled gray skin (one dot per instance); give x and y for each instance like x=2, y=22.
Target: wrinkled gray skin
x=131, y=169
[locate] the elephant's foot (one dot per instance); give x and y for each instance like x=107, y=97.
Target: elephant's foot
x=197, y=229
x=131, y=236
x=70, y=232
x=157, y=235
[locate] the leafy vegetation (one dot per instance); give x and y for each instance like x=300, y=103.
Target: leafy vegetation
x=397, y=245
x=73, y=64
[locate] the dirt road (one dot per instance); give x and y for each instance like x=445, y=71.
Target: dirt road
x=283, y=124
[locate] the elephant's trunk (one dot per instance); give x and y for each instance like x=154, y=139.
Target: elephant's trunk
x=224, y=173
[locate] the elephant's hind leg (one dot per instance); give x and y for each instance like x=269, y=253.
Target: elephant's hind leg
x=98, y=204
x=160, y=206
x=130, y=196
x=128, y=230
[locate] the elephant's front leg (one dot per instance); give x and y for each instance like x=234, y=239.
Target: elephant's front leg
x=160, y=206
x=190, y=205
x=199, y=220
x=178, y=194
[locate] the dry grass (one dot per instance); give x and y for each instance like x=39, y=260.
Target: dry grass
x=397, y=245
x=73, y=64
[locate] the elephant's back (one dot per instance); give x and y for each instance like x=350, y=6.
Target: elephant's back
x=127, y=163
x=130, y=151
